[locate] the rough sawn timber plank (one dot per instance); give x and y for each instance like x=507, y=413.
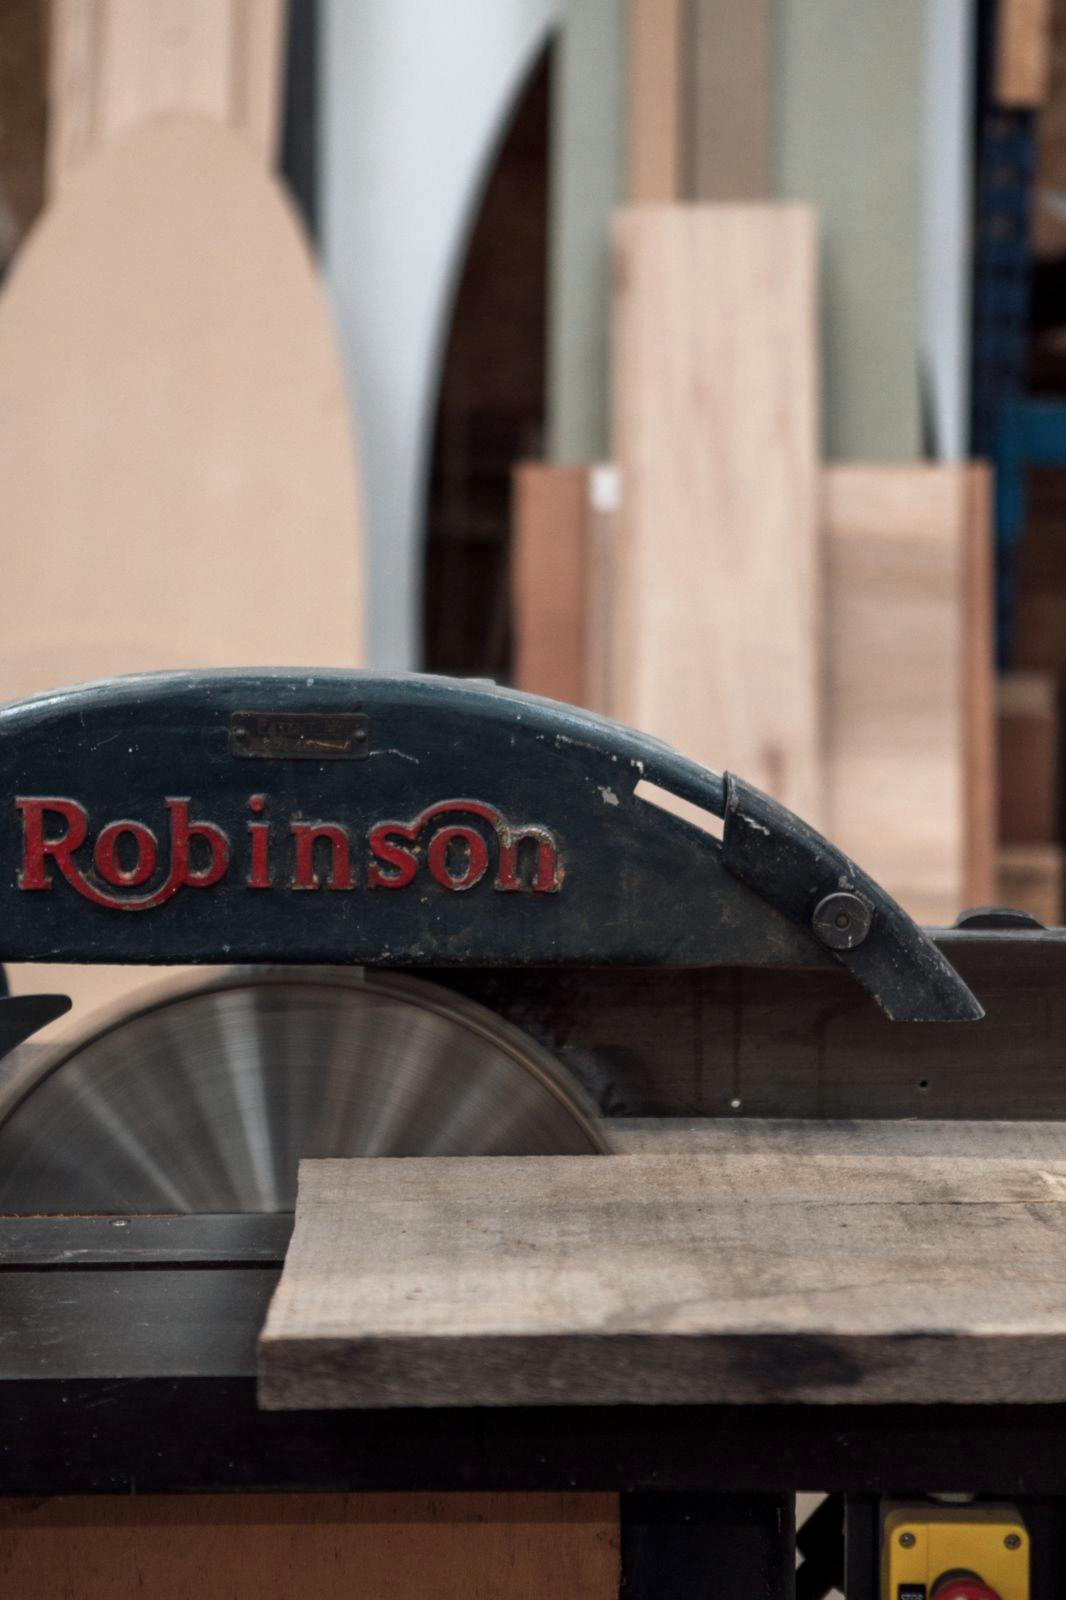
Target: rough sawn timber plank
x=671, y=1279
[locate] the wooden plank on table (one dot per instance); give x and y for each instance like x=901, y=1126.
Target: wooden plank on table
x=1028, y=750
x=1022, y=52
x=177, y=464
x=549, y=566
x=656, y=99
x=1027, y=1159
x=668, y=1279
x=717, y=607
x=909, y=721
x=114, y=63
x=727, y=121
x=274, y=1546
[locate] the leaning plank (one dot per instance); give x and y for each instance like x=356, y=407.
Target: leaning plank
x=662, y=1279
x=909, y=718
x=177, y=464
x=717, y=611
x=114, y=63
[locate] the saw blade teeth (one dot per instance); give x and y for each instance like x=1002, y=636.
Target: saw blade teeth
x=206, y=1100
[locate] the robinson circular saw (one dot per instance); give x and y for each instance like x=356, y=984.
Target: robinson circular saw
x=344, y=851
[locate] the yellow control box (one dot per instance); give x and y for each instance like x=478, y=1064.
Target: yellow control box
x=946, y=1552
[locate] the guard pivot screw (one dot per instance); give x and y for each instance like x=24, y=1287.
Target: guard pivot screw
x=842, y=920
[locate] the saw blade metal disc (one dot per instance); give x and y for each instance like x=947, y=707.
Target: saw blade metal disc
x=205, y=1099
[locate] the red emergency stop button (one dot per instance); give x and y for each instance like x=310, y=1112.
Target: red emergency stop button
x=963, y=1586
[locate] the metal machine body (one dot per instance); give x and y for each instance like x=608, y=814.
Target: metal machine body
x=491, y=856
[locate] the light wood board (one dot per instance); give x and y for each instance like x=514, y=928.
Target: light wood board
x=177, y=465
x=909, y=688
x=717, y=611
x=330, y=1546
x=910, y=717
x=114, y=63
x=669, y=1279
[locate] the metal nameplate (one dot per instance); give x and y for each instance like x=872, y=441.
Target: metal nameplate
x=300, y=735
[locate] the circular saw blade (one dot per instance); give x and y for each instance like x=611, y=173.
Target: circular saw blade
x=206, y=1099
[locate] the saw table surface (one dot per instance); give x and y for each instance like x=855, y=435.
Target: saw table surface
x=737, y=1262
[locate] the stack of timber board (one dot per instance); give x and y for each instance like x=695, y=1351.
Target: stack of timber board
x=825, y=632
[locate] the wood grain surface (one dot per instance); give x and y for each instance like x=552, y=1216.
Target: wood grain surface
x=910, y=715
x=329, y=1546
x=670, y=1279
x=717, y=616
x=114, y=63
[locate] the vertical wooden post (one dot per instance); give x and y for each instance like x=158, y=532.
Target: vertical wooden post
x=656, y=79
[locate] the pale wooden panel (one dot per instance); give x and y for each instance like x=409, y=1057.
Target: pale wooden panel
x=1023, y=50
x=670, y=1279
x=656, y=98
x=727, y=121
x=115, y=63
x=717, y=607
x=330, y=1546
x=549, y=566
x=909, y=694
x=177, y=466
